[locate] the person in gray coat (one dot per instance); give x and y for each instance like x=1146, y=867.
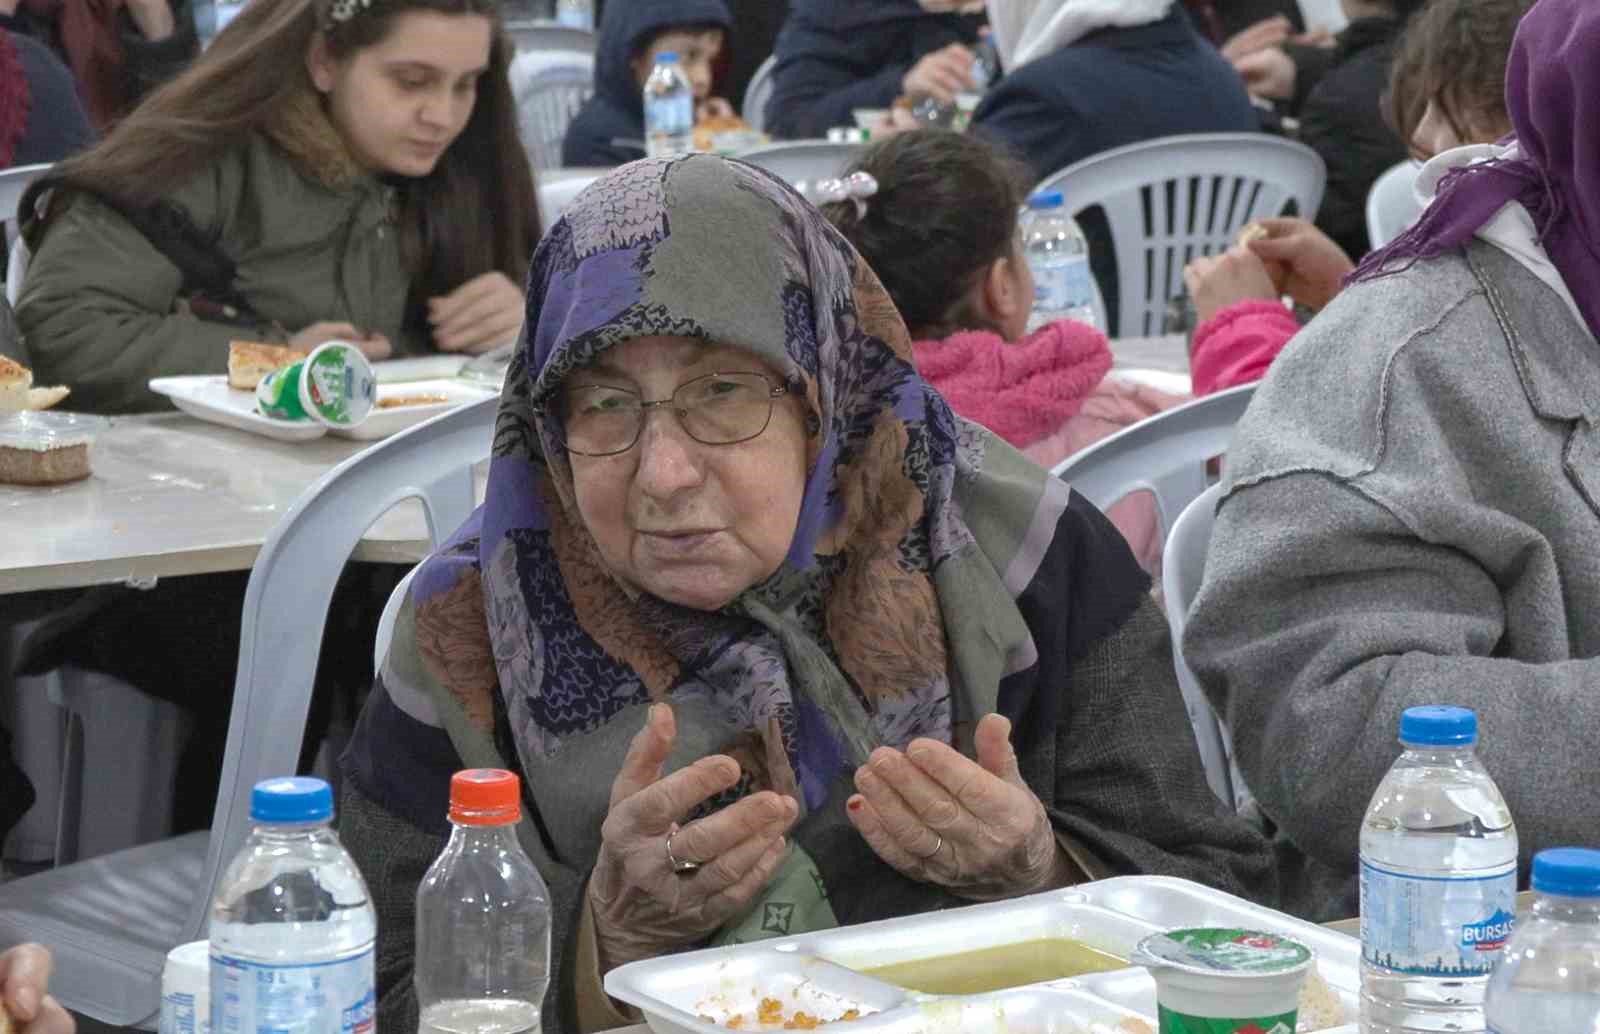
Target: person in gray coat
x=1412, y=506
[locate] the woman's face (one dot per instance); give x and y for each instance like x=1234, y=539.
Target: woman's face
x=1435, y=134
x=692, y=524
x=400, y=103
x=697, y=55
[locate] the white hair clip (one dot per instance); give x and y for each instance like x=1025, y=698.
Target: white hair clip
x=856, y=187
x=343, y=10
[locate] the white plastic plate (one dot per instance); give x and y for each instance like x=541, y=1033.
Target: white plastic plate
x=209, y=398
x=820, y=973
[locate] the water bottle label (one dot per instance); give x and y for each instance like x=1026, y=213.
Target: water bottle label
x=321, y=998
x=1063, y=287
x=1436, y=926
x=669, y=124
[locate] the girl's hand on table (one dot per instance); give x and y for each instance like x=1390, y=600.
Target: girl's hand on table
x=643, y=905
x=480, y=315
x=972, y=827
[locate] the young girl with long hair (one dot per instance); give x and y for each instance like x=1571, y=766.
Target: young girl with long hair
x=328, y=169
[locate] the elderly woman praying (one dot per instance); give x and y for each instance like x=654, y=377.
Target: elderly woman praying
x=776, y=641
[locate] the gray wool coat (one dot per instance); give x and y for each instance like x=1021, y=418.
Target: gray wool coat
x=1412, y=517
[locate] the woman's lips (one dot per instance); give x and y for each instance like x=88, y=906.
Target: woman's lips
x=677, y=544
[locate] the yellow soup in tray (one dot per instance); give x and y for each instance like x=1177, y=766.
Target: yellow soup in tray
x=991, y=969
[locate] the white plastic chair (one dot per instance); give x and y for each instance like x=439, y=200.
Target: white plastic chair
x=1171, y=200
x=549, y=89
x=802, y=161
x=546, y=36
x=757, y=93
x=1183, y=569
x=111, y=920
x=1392, y=203
x=14, y=182
x=1165, y=455
x=558, y=188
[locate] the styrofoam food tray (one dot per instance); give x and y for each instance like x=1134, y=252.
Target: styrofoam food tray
x=209, y=398
x=698, y=992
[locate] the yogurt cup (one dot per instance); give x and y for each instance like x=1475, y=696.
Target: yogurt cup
x=334, y=386
x=186, y=990
x=1214, y=980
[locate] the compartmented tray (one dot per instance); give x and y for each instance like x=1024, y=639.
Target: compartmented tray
x=824, y=974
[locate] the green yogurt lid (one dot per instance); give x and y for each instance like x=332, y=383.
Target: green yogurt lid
x=1226, y=951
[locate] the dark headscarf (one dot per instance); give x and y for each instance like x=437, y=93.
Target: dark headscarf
x=1553, y=99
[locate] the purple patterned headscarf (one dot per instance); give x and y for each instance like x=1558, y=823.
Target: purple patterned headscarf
x=847, y=645
x=1553, y=98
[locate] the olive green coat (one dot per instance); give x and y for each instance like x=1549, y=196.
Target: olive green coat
x=311, y=233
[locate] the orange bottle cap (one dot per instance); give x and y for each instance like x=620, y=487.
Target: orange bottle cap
x=485, y=797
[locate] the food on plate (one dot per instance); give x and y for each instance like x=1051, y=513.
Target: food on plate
x=770, y=1015
x=1253, y=231
x=991, y=969
x=249, y=361
x=1320, y=1007
x=18, y=393
x=707, y=130
x=426, y=399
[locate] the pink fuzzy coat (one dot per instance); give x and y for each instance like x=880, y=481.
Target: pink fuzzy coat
x=1049, y=396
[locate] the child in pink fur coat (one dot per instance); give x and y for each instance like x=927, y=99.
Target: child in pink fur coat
x=941, y=233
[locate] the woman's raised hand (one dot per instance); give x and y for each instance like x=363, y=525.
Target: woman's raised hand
x=1305, y=263
x=972, y=827
x=940, y=75
x=1216, y=282
x=651, y=894
x=24, y=979
x=480, y=315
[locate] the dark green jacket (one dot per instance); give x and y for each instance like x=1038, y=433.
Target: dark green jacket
x=310, y=232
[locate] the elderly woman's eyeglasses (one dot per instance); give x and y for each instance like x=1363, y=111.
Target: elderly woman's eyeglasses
x=717, y=409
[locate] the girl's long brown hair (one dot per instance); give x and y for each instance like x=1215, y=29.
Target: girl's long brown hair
x=476, y=212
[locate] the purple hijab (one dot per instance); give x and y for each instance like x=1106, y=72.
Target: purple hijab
x=1553, y=98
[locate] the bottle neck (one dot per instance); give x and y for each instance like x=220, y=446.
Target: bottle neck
x=1564, y=909
x=504, y=834
x=293, y=830
x=1465, y=753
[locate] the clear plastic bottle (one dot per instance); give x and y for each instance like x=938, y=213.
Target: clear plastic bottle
x=1438, y=880
x=579, y=14
x=1549, y=980
x=668, y=109
x=1058, y=255
x=483, y=918
x=292, y=927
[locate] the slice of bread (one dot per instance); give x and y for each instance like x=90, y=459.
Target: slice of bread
x=249, y=361
x=17, y=391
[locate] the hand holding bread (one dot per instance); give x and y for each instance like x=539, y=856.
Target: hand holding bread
x=25, y=1004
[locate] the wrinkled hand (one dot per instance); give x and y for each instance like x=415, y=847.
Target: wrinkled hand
x=1218, y=281
x=1267, y=73
x=972, y=827
x=714, y=107
x=941, y=74
x=641, y=906
x=1303, y=262
x=480, y=315
x=24, y=981
x=373, y=346
x=1268, y=32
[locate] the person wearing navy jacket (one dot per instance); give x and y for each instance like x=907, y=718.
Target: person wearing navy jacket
x=609, y=130
x=1085, y=76
x=838, y=55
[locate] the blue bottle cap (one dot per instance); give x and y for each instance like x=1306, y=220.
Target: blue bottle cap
x=667, y=57
x=1435, y=726
x=1571, y=872
x=1046, y=199
x=291, y=799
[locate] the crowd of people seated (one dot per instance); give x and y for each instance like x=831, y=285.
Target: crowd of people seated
x=826, y=619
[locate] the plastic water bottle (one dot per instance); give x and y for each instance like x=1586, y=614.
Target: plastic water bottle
x=668, y=108
x=483, y=918
x=1438, y=881
x=1549, y=980
x=1058, y=255
x=292, y=926
x=578, y=14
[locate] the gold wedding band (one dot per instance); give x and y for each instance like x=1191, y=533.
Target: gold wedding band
x=672, y=860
